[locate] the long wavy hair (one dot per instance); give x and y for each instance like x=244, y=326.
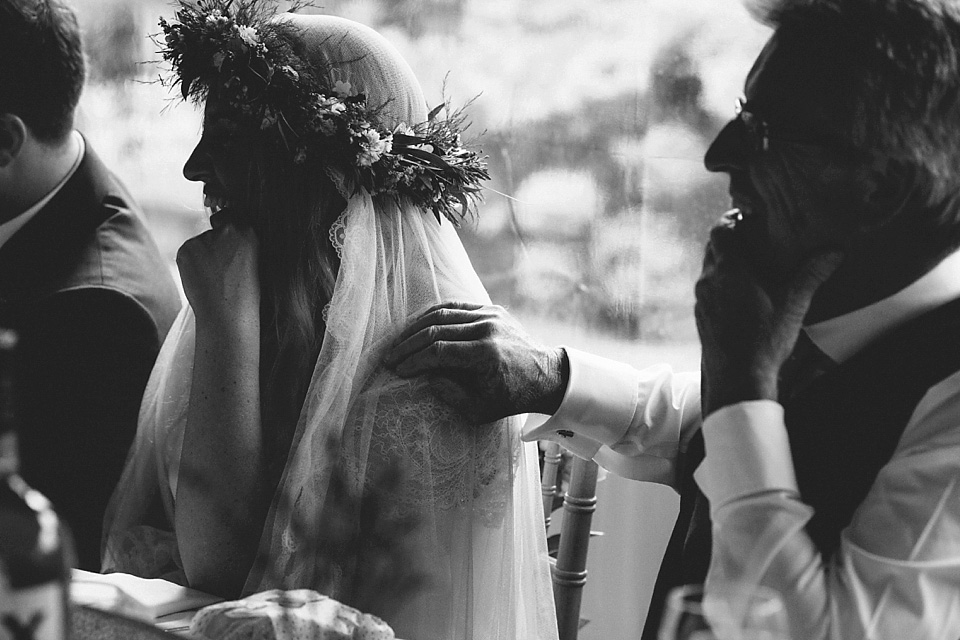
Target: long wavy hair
x=292, y=207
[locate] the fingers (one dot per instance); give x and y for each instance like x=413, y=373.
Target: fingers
x=437, y=317
x=731, y=218
x=219, y=252
x=456, y=304
x=430, y=352
x=813, y=273
x=720, y=260
x=226, y=233
x=725, y=237
x=189, y=248
x=440, y=314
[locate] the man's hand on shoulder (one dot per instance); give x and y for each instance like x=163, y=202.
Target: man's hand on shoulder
x=480, y=359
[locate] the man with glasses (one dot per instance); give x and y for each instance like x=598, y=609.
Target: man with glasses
x=829, y=316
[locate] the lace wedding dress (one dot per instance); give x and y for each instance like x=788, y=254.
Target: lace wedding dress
x=450, y=531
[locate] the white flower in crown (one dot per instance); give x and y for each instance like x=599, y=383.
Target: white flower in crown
x=342, y=89
x=373, y=147
x=330, y=105
x=327, y=126
x=248, y=35
x=367, y=158
x=216, y=17
x=269, y=119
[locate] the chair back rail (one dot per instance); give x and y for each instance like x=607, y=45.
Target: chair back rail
x=570, y=571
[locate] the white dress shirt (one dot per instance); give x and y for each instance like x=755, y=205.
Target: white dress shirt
x=11, y=226
x=897, y=572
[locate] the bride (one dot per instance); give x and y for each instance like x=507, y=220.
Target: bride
x=273, y=449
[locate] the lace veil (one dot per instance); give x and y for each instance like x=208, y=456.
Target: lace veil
x=453, y=544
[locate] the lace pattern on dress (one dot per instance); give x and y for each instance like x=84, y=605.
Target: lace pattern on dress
x=447, y=462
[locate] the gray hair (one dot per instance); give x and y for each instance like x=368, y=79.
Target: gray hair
x=897, y=65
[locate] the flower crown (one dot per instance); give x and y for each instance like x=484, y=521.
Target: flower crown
x=233, y=47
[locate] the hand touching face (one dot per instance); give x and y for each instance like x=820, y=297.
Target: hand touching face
x=219, y=273
x=746, y=330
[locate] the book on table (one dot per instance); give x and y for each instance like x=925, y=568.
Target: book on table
x=144, y=598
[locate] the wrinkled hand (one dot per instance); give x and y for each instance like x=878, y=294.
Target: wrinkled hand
x=219, y=273
x=746, y=331
x=480, y=360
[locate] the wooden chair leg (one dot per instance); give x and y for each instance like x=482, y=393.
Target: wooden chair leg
x=548, y=479
x=570, y=571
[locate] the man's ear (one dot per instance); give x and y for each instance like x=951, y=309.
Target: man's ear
x=13, y=133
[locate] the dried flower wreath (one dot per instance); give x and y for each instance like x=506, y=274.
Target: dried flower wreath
x=235, y=49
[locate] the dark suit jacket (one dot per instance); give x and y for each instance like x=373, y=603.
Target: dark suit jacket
x=84, y=286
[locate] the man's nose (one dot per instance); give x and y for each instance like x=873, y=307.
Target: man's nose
x=197, y=167
x=729, y=150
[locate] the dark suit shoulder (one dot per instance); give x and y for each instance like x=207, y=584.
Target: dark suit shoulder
x=121, y=255
x=90, y=235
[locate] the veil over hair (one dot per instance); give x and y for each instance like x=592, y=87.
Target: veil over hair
x=389, y=500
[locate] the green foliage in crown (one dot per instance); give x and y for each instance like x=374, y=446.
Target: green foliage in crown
x=234, y=50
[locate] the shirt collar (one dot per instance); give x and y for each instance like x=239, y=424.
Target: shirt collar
x=10, y=227
x=845, y=335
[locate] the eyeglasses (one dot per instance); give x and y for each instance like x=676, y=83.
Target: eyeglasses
x=759, y=133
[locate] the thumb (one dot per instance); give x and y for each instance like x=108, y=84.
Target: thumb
x=808, y=279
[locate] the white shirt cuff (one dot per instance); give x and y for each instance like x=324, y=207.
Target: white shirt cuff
x=597, y=408
x=747, y=452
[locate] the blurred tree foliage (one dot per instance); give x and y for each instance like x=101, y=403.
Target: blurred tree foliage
x=419, y=17
x=608, y=265
x=587, y=140
x=115, y=43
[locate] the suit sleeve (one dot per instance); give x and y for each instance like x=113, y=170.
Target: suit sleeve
x=84, y=356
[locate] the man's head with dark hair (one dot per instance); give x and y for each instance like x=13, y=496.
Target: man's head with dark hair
x=849, y=138
x=41, y=65
x=899, y=63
